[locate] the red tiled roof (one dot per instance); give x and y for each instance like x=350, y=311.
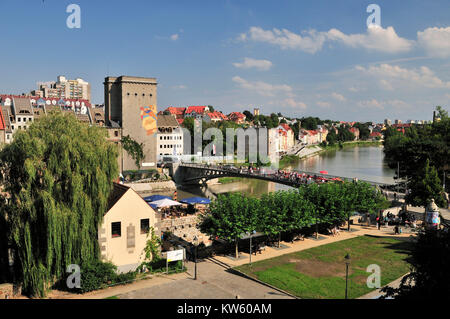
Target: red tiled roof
x=180, y=121
x=375, y=134
x=176, y=110
x=196, y=109
x=286, y=127
x=218, y=115
x=236, y=116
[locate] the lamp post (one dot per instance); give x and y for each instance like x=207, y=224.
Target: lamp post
x=347, y=263
x=195, y=257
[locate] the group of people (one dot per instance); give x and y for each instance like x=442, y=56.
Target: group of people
x=335, y=231
x=300, y=178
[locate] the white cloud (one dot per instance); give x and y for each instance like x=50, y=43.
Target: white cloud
x=353, y=89
x=294, y=104
x=375, y=104
x=248, y=63
x=262, y=88
x=376, y=38
x=371, y=104
x=423, y=76
x=338, y=97
x=312, y=41
x=174, y=37
x=435, y=41
x=180, y=87
x=323, y=104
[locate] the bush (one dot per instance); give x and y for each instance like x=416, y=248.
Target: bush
x=159, y=266
x=97, y=275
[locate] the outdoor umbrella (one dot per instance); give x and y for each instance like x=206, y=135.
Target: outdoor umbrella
x=165, y=203
x=155, y=198
x=323, y=172
x=196, y=200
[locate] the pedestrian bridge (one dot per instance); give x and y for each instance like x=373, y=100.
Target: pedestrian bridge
x=193, y=173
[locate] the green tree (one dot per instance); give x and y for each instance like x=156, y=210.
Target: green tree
x=332, y=137
x=230, y=217
x=59, y=174
x=419, y=143
x=430, y=261
x=134, y=149
x=425, y=186
x=248, y=115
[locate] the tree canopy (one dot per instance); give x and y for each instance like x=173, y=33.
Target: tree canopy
x=429, y=259
x=412, y=150
x=58, y=175
x=328, y=204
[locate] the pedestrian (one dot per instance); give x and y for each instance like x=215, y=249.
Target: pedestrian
x=396, y=230
x=395, y=196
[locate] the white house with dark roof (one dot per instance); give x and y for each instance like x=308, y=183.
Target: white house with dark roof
x=123, y=233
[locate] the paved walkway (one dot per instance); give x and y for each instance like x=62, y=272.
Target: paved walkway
x=376, y=294
x=357, y=230
x=216, y=282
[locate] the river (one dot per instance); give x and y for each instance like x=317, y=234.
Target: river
x=363, y=162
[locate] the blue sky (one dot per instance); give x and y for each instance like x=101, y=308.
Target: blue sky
x=300, y=58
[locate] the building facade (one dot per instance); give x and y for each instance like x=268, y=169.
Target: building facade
x=64, y=89
x=169, y=137
x=123, y=233
x=131, y=104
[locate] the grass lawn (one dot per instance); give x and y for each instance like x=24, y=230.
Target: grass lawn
x=319, y=272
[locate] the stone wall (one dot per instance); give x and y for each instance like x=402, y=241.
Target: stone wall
x=8, y=291
x=184, y=228
x=153, y=186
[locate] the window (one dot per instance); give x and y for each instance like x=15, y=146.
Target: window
x=116, y=133
x=145, y=226
x=19, y=119
x=116, y=229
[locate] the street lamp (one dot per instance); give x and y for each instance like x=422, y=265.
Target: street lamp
x=347, y=263
x=195, y=257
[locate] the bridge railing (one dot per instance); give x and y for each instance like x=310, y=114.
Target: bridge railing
x=244, y=171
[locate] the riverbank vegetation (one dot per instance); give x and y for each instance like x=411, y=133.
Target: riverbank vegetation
x=421, y=153
x=326, y=205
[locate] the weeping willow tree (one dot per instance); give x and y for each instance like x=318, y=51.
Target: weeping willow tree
x=59, y=175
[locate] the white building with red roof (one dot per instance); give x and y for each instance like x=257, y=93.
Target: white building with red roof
x=178, y=112
x=215, y=116
x=287, y=139
x=237, y=117
x=196, y=111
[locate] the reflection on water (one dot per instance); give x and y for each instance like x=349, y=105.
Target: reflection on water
x=365, y=163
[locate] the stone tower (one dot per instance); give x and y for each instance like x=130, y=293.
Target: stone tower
x=131, y=103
